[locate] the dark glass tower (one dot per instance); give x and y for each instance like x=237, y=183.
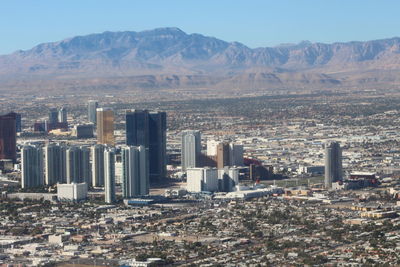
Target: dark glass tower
x=148, y=129
x=333, y=163
x=157, y=145
x=18, y=122
x=53, y=116
x=8, y=139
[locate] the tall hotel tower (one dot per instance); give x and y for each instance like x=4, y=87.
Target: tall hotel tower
x=105, y=126
x=148, y=129
x=191, y=149
x=135, y=171
x=32, y=166
x=92, y=109
x=333, y=163
x=55, y=164
x=109, y=175
x=8, y=136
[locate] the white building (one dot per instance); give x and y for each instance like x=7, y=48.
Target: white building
x=202, y=179
x=212, y=147
x=118, y=172
x=72, y=192
x=109, y=176
x=194, y=179
x=191, y=149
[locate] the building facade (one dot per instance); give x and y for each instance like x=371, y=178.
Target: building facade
x=105, y=126
x=8, y=137
x=148, y=129
x=223, y=155
x=135, y=171
x=191, y=149
x=97, y=152
x=31, y=166
x=109, y=175
x=333, y=163
x=92, y=111
x=55, y=164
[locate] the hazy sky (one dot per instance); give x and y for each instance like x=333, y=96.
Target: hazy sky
x=23, y=24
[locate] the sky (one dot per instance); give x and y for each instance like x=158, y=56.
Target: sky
x=255, y=23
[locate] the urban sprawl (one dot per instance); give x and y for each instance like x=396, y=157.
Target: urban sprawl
x=269, y=180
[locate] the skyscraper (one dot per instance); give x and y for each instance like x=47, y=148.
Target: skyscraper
x=227, y=179
x=62, y=115
x=18, y=122
x=8, y=137
x=148, y=129
x=55, y=169
x=72, y=165
x=53, y=116
x=333, y=163
x=92, y=109
x=97, y=165
x=223, y=153
x=212, y=147
x=235, y=154
x=78, y=165
x=157, y=145
x=105, y=126
x=191, y=149
x=109, y=175
x=135, y=171
x=32, y=166
x=84, y=166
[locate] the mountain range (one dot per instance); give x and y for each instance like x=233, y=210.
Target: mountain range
x=171, y=58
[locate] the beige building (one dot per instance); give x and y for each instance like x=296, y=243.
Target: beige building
x=223, y=155
x=105, y=126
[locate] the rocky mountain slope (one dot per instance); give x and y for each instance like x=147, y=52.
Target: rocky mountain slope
x=170, y=58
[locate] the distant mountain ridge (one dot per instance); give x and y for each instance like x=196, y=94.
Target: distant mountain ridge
x=168, y=57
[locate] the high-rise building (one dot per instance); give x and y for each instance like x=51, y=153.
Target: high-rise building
x=72, y=164
x=227, y=179
x=98, y=165
x=135, y=171
x=8, y=137
x=191, y=149
x=235, y=154
x=84, y=166
x=223, y=153
x=157, y=145
x=210, y=179
x=32, y=166
x=105, y=126
x=18, y=122
x=202, y=179
x=148, y=129
x=55, y=164
x=62, y=115
x=333, y=163
x=92, y=111
x=212, y=148
x=53, y=116
x=109, y=175
x=78, y=165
